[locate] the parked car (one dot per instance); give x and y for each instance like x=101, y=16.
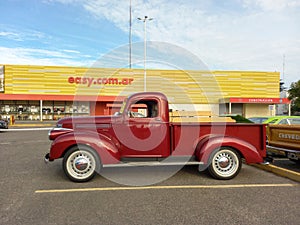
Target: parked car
x=214, y=143
x=3, y=124
x=284, y=140
x=258, y=119
x=290, y=120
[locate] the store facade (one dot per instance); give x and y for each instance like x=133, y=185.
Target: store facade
x=30, y=92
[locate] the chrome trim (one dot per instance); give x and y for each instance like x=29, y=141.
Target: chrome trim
x=130, y=164
x=282, y=149
x=58, y=129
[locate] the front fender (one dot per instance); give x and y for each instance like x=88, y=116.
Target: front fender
x=103, y=145
x=208, y=145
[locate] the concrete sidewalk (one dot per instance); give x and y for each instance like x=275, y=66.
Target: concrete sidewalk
x=33, y=123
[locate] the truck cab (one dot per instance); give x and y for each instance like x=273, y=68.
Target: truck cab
x=145, y=121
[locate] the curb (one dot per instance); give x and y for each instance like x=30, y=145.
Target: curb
x=295, y=176
x=31, y=125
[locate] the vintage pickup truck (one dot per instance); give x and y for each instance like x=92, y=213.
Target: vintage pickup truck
x=145, y=133
x=284, y=140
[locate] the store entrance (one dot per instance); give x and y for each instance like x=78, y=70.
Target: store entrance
x=42, y=110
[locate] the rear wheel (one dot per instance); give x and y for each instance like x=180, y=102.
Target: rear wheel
x=80, y=164
x=225, y=163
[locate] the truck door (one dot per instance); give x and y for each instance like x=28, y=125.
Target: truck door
x=144, y=133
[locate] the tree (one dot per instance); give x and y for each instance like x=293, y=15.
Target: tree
x=294, y=96
x=281, y=86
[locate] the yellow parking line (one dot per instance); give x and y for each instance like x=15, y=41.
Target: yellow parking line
x=164, y=187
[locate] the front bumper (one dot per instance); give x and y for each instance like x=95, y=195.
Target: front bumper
x=47, y=158
x=289, y=153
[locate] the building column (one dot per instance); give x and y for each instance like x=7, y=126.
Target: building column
x=229, y=108
x=41, y=110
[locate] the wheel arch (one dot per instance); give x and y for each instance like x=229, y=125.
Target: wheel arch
x=209, y=144
x=104, y=147
x=81, y=145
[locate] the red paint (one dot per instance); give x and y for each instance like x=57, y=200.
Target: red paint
x=89, y=81
x=118, y=136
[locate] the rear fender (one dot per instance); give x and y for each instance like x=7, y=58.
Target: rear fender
x=207, y=145
x=103, y=145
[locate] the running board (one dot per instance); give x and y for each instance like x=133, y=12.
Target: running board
x=152, y=163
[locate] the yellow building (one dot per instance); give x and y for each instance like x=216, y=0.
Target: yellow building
x=52, y=92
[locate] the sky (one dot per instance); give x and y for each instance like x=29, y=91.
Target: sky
x=252, y=35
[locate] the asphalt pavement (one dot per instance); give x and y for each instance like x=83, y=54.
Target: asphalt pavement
x=35, y=193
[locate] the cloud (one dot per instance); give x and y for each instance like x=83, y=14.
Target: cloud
x=271, y=5
x=11, y=35
x=22, y=34
x=71, y=51
x=226, y=35
x=34, y=56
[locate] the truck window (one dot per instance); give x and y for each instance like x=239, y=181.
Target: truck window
x=284, y=121
x=294, y=121
x=144, y=109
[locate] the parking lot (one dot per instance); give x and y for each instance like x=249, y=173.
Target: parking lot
x=35, y=193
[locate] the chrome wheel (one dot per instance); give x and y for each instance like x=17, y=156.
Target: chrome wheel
x=80, y=164
x=225, y=164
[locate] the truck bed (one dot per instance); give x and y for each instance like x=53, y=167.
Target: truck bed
x=185, y=133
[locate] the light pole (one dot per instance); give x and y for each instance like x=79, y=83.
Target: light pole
x=130, y=33
x=145, y=48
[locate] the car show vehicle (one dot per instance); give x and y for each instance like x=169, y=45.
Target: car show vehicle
x=3, y=124
x=160, y=137
x=258, y=119
x=290, y=120
x=284, y=140
x=276, y=119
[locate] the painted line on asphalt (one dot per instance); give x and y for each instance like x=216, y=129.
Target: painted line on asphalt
x=27, y=142
x=295, y=176
x=164, y=187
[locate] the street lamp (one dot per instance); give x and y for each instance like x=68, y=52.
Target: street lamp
x=145, y=48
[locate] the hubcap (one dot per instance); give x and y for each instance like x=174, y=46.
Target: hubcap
x=223, y=162
x=81, y=163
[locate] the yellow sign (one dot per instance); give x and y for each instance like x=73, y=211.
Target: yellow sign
x=1, y=78
x=179, y=86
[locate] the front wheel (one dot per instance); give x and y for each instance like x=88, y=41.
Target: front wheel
x=80, y=164
x=225, y=163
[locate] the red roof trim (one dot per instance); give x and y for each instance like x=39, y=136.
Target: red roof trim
x=260, y=100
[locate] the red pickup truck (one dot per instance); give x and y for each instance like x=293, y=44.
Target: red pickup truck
x=154, y=136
